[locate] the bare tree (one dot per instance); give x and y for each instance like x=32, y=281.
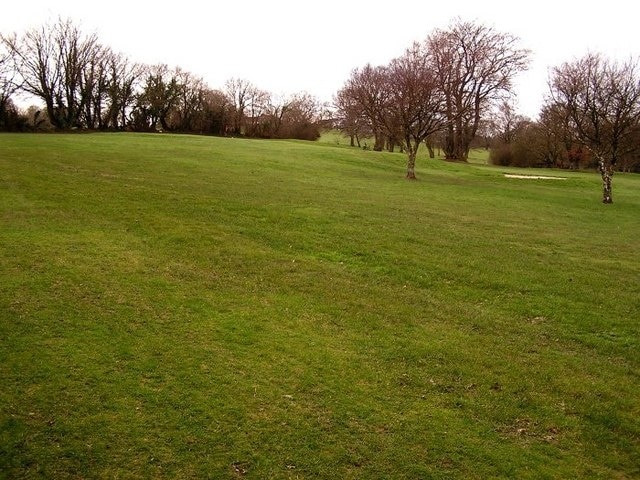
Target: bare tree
x=295, y=116
x=366, y=90
x=158, y=98
x=275, y=110
x=239, y=92
x=9, y=83
x=52, y=62
x=562, y=149
x=79, y=58
x=475, y=66
x=189, y=106
x=35, y=59
x=505, y=122
x=94, y=89
x=302, y=117
x=415, y=103
x=351, y=119
x=258, y=102
x=601, y=99
x=123, y=78
x=217, y=117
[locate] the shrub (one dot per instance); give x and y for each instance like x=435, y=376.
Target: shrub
x=501, y=155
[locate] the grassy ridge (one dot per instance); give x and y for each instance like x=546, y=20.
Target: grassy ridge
x=179, y=306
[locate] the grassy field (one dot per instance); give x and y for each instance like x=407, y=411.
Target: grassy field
x=194, y=307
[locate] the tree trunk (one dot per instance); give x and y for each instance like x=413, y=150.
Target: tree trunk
x=378, y=144
x=430, y=148
x=391, y=144
x=606, y=171
x=462, y=144
x=462, y=149
x=449, y=143
x=51, y=113
x=411, y=164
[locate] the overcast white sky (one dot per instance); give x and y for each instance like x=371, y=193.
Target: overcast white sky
x=286, y=46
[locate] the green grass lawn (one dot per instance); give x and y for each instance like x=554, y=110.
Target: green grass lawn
x=196, y=307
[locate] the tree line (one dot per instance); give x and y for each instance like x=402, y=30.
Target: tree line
x=590, y=119
x=452, y=91
x=84, y=84
x=456, y=88
x=438, y=92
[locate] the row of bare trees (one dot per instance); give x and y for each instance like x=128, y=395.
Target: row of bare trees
x=591, y=118
x=83, y=84
x=457, y=84
x=80, y=82
x=441, y=87
x=257, y=113
x=447, y=91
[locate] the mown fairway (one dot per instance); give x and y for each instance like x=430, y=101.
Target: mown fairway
x=193, y=307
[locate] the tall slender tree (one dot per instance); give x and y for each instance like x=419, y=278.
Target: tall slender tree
x=350, y=117
x=415, y=103
x=123, y=79
x=239, y=92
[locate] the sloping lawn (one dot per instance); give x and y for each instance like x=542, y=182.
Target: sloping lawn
x=195, y=307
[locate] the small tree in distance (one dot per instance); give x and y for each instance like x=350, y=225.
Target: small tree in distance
x=364, y=97
x=415, y=103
